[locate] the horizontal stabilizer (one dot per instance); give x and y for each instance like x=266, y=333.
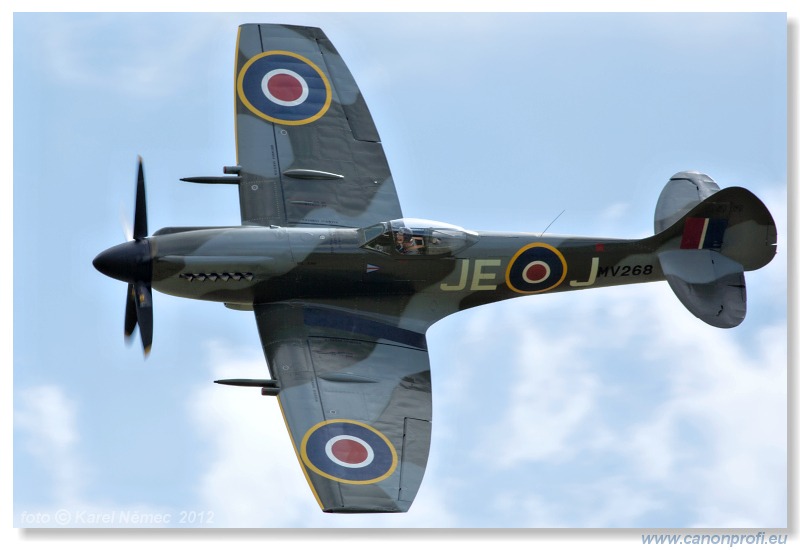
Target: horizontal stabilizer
x=710, y=285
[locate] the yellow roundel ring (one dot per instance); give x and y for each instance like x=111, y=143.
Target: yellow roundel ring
x=348, y=451
x=536, y=267
x=284, y=87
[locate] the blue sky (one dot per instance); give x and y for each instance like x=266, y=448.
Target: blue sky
x=602, y=408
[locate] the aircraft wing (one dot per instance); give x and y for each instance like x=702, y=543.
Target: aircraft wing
x=355, y=391
x=307, y=149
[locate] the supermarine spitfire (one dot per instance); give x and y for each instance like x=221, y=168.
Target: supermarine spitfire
x=344, y=288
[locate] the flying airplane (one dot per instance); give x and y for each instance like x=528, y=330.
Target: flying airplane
x=343, y=287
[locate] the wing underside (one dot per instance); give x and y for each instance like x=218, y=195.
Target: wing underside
x=307, y=148
x=355, y=393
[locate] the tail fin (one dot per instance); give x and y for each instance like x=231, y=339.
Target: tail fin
x=683, y=191
x=707, y=239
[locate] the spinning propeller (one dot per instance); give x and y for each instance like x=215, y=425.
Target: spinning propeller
x=132, y=262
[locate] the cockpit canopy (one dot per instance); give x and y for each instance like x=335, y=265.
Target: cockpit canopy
x=414, y=237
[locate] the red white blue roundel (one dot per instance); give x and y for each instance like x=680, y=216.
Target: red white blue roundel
x=348, y=452
x=284, y=87
x=536, y=268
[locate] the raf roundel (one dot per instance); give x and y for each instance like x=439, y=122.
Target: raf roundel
x=348, y=452
x=537, y=267
x=284, y=87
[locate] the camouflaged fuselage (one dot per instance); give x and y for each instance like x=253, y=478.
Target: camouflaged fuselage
x=241, y=266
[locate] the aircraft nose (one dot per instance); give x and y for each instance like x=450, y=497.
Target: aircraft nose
x=128, y=262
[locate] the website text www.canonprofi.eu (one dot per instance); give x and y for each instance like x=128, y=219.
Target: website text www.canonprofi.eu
x=727, y=539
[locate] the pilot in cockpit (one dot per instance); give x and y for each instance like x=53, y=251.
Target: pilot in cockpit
x=406, y=243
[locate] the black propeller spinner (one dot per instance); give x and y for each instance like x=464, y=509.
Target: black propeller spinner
x=132, y=262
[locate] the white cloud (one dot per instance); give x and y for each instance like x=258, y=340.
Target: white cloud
x=45, y=421
x=614, y=213
x=679, y=417
x=48, y=433
x=552, y=396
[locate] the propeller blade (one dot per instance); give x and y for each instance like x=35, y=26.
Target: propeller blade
x=130, y=312
x=132, y=263
x=140, y=215
x=144, y=313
